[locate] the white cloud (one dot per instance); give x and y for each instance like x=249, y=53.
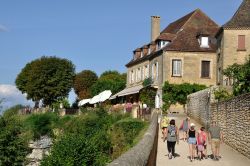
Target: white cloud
x=12, y=96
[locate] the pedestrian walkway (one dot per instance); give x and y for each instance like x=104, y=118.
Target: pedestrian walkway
x=229, y=156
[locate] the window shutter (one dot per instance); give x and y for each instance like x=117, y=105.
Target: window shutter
x=205, y=69
x=241, y=42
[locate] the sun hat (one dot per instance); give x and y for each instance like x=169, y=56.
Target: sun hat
x=192, y=124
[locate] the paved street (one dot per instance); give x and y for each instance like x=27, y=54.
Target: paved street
x=229, y=156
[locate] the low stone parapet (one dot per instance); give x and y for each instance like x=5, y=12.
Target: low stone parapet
x=144, y=153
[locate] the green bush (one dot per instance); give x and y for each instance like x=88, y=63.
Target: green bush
x=123, y=135
x=13, y=146
x=41, y=124
x=130, y=127
x=74, y=150
x=12, y=111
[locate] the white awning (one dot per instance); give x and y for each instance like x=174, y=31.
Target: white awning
x=83, y=102
x=127, y=91
x=101, y=97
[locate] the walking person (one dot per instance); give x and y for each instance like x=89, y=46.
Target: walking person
x=192, y=141
x=171, y=134
x=185, y=127
x=201, y=143
x=164, y=124
x=215, y=139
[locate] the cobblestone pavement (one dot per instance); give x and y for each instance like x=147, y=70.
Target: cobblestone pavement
x=229, y=157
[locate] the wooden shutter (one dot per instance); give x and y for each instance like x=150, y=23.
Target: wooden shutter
x=241, y=42
x=205, y=69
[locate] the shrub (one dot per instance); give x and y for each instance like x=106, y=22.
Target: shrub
x=74, y=149
x=41, y=124
x=13, y=147
x=130, y=127
x=12, y=111
x=222, y=94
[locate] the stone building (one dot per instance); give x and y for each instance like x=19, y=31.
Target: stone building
x=192, y=49
x=233, y=41
x=185, y=51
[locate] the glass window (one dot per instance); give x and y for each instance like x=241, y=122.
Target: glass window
x=176, y=67
x=205, y=69
x=204, y=42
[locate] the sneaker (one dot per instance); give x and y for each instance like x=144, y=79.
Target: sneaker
x=215, y=159
x=170, y=155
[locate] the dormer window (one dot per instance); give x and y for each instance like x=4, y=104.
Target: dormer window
x=162, y=43
x=141, y=53
x=204, y=42
x=149, y=50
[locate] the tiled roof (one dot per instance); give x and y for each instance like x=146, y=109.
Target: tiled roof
x=166, y=36
x=183, y=35
x=241, y=19
x=175, y=26
x=186, y=38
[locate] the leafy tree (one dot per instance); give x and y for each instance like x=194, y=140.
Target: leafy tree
x=109, y=80
x=177, y=93
x=240, y=74
x=47, y=78
x=147, y=96
x=82, y=83
x=148, y=81
x=64, y=102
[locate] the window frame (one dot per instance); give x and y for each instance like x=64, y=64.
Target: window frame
x=241, y=47
x=202, y=75
x=180, y=69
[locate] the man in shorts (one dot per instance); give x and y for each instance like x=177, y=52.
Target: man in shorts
x=215, y=139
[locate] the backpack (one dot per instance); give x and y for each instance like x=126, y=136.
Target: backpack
x=172, y=131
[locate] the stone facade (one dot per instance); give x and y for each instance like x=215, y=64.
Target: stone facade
x=228, y=53
x=134, y=69
x=191, y=67
x=233, y=116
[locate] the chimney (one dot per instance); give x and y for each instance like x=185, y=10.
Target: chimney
x=155, y=27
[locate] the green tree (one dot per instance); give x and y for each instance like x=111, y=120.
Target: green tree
x=147, y=96
x=47, y=78
x=240, y=75
x=177, y=93
x=109, y=80
x=82, y=83
x=64, y=102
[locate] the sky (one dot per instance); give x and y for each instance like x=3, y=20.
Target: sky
x=94, y=34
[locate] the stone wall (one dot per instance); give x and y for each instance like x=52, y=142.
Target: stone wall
x=233, y=116
x=144, y=153
x=198, y=105
x=39, y=148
